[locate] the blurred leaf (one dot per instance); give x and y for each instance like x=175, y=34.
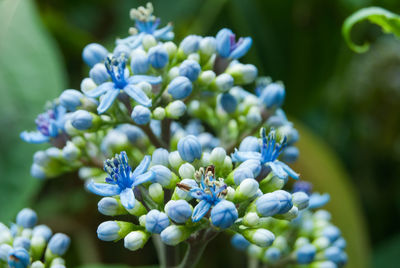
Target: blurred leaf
x=387, y=254
x=30, y=74
x=113, y=266
x=388, y=21
x=319, y=165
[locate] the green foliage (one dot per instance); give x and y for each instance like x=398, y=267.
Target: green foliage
x=30, y=74
x=388, y=21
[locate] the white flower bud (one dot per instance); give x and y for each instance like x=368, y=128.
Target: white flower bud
x=186, y=171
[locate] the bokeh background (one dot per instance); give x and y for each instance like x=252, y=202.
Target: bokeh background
x=345, y=105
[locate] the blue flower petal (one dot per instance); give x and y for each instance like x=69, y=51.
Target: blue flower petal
x=33, y=137
x=148, y=176
x=196, y=193
x=200, y=210
x=163, y=32
x=103, y=189
x=224, y=42
x=277, y=170
x=127, y=198
x=288, y=170
x=239, y=156
x=142, y=167
x=100, y=90
x=138, y=95
x=242, y=49
x=107, y=100
x=136, y=79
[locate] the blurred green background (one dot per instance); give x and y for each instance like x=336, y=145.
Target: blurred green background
x=344, y=104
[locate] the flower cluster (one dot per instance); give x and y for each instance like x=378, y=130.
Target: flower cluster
x=25, y=244
x=182, y=123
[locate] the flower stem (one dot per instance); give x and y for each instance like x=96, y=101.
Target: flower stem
x=161, y=252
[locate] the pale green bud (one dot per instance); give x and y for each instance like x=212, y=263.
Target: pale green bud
x=87, y=85
x=186, y=171
x=206, y=78
x=171, y=49
x=138, y=210
x=38, y=245
x=205, y=159
x=156, y=193
x=251, y=219
x=175, y=109
x=135, y=240
x=142, y=220
x=321, y=243
x=230, y=193
x=217, y=156
x=260, y=237
x=194, y=56
x=242, y=73
x=173, y=73
x=37, y=264
x=70, y=152
x=301, y=241
x=146, y=87
x=281, y=243
x=253, y=117
x=174, y=234
x=254, y=251
x=290, y=215
x=175, y=159
x=148, y=41
x=247, y=189
x=159, y=113
x=271, y=183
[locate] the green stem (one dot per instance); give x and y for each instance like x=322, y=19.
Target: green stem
x=161, y=251
x=252, y=262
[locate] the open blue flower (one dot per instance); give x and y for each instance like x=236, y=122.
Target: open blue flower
x=270, y=151
x=209, y=193
x=50, y=124
x=121, y=179
x=121, y=81
x=146, y=23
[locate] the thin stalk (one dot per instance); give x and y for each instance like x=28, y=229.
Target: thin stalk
x=152, y=137
x=161, y=251
x=252, y=262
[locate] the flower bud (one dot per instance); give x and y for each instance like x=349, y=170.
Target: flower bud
x=242, y=173
x=260, y=237
x=27, y=218
x=59, y=244
x=224, y=214
x=160, y=157
x=156, y=221
x=22, y=242
x=300, y=200
x=159, y=113
x=37, y=264
x=113, y=230
x=141, y=115
x=139, y=62
x=175, y=159
x=6, y=236
x=254, y=251
x=179, y=211
x=206, y=78
x=120, y=50
x=149, y=41
x=239, y=242
x=268, y=204
x=42, y=231
x=158, y=57
x=18, y=258
x=253, y=165
x=223, y=82
x=249, y=144
x=317, y=200
x=190, y=44
x=290, y=215
x=273, y=95
x=228, y=102
x=189, y=148
x=135, y=240
x=162, y=175
x=247, y=189
x=174, y=234
x=186, y=171
x=251, y=219
x=156, y=193
x=321, y=243
x=333, y=254
x=190, y=69
x=4, y=251
x=87, y=85
x=99, y=73
x=253, y=117
x=272, y=183
x=272, y=255
x=71, y=99
x=218, y=155
x=208, y=46
x=175, y=109
x=180, y=87
x=83, y=120
x=70, y=152
x=332, y=233
x=306, y=254
x=94, y=53
x=290, y=154
x=285, y=200
x=242, y=73
x=171, y=48
x=110, y=206
x=340, y=243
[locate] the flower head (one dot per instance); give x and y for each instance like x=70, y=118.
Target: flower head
x=121, y=179
x=270, y=151
x=116, y=68
x=228, y=47
x=50, y=124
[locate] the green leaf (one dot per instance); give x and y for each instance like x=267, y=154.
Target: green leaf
x=30, y=74
x=113, y=266
x=388, y=21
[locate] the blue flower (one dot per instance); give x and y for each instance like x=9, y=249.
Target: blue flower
x=270, y=151
x=318, y=200
x=121, y=179
x=156, y=221
x=209, y=193
x=121, y=81
x=27, y=218
x=227, y=46
x=189, y=148
x=146, y=23
x=18, y=258
x=50, y=124
x=59, y=244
